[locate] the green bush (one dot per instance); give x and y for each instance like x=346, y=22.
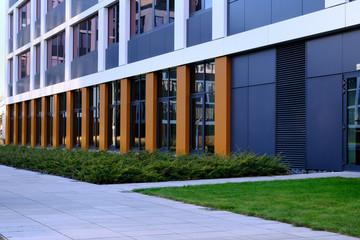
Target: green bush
x=111, y=168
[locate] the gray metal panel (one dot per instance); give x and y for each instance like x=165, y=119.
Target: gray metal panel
x=112, y=56
x=11, y=44
x=37, y=81
x=84, y=65
x=38, y=28
x=236, y=17
x=132, y=50
x=23, y=37
x=240, y=71
x=169, y=36
x=79, y=6
x=194, y=30
x=324, y=56
x=12, y=2
x=55, y=17
x=206, y=26
x=310, y=6
x=157, y=42
x=351, y=50
x=262, y=67
x=239, y=119
x=143, y=47
x=324, y=123
x=10, y=89
x=257, y=13
x=286, y=9
x=55, y=75
x=262, y=119
x=23, y=85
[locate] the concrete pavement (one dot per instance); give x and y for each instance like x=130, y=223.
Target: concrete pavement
x=35, y=206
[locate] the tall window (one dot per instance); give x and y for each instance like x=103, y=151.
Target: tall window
x=138, y=112
x=37, y=53
x=94, y=117
x=24, y=15
x=153, y=13
x=77, y=119
x=11, y=25
x=167, y=109
x=38, y=122
x=114, y=115
x=49, y=124
x=86, y=36
x=28, y=123
x=11, y=129
x=53, y=4
x=202, y=106
x=113, y=24
x=62, y=119
x=197, y=5
x=19, y=123
x=38, y=9
x=24, y=65
x=55, y=50
x=10, y=89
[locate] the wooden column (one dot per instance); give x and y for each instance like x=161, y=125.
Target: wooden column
x=183, y=110
x=104, y=98
x=56, y=112
x=43, y=122
x=85, y=104
x=125, y=115
x=33, y=123
x=222, y=105
x=23, y=122
x=151, y=113
x=7, y=125
x=16, y=123
x=69, y=120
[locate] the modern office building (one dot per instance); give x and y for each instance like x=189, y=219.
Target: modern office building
x=270, y=76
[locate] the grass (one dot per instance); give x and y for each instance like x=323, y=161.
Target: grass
x=330, y=204
x=112, y=168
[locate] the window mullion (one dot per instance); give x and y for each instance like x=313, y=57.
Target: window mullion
x=87, y=37
x=139, y=18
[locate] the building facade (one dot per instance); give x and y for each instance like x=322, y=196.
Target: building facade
x=276, y=76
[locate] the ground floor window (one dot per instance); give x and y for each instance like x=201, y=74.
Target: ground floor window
x=11, y=124
x=38, y=122
x=137, y=112
x=167, y=109
x=202, y=117
x=49, y=120
x=20, y=117
x=62, y=119
x=77, y=119
x=114, y=115
x=94, y=117
x=28, y=123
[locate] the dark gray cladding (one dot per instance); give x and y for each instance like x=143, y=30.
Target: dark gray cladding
x=11, y=44
x=12, y=2
x=23, y=37
x=84, y=65
x=78, y=6
x=112, y=56
x=55, y=74
x=55, y=16
x=199, y=28
x=37, y=28
x=23, y=85
x=37, y=81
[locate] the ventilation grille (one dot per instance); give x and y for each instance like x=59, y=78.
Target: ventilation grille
x=290, y=104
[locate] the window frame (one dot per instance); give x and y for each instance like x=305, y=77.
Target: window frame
x=26, y=56
x=203, y=7
x=77, y=118
x=76, y=33
x=114, y=39
x=38, y=122
x=49, y=62
x=20, y=117
x=62, y=119
x=94, y=109
x=117, y=106
x=26, y=5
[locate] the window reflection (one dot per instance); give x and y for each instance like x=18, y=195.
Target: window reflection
x=138, y=86
x=86, y=36
x=55, y=51
x=24, y=65
x=24, y=15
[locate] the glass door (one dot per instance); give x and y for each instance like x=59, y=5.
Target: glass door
x=352, y=120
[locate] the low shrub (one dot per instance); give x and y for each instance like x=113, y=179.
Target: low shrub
x=110, y=168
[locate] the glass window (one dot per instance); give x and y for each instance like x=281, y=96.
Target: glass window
x=94, y=117
x=38, y=121
x=113, y=24
x=12, y=123
x=202, y=79
x=197, y=5
x=137, y=114
x=49, y=119
x=153, y=13
x=28, y=123
x=114, y=115
x=10, y=89
x=24, y=65
x=167, y=109
x=86, y=36
x=37, y=52
x=24, y=15
x=53, y=4
x=77, y=119
x=62, y=119
x=19, y=123
x=55, y=50
x=11, y=23
x=38, y=9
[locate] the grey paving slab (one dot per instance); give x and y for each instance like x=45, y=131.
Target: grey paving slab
x=35, y=206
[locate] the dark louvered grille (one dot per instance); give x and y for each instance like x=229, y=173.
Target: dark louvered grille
x=290, y=104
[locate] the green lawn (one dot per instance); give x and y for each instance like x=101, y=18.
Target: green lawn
x=331, y=204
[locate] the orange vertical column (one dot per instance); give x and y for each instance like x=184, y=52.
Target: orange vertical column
x=104, y=98
x=16, y=123
x=69, y=120
x=85, y=104
x=33, y=123
x=222, y=105
x=151, y=110
x=7, y=129
x=183, y=110
x=43, y=122
x=23, y=122
x=125, y=115
x=56, y=109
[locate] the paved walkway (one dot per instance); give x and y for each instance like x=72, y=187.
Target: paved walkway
x=34, y=206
